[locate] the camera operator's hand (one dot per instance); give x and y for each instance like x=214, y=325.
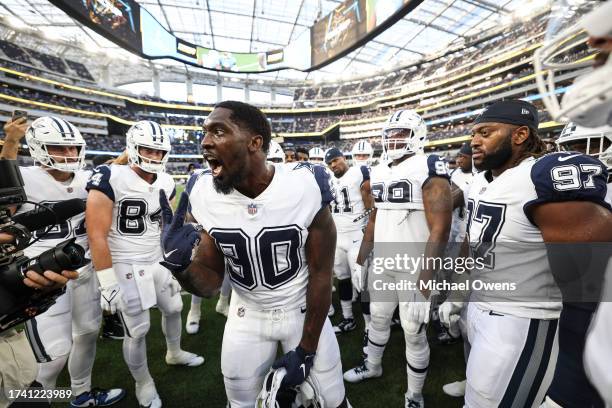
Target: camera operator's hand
x=110, y=291
x=14, y=131
x=6, y=238
x=50, y=280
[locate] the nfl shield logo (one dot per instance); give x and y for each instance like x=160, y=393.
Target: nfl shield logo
x=69, y=189
x=252, y=209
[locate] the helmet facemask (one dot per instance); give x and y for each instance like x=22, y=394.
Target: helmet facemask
x=66, y=163
x=399, y=142
x=145, y=163
x=588, y=101
x=596, y=142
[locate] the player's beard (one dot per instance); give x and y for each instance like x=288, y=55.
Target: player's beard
x=499, y=157
x=225, y=185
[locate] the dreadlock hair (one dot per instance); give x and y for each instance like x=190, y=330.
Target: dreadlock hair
x=533, y=146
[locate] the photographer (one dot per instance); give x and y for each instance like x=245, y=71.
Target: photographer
x=18, y=368
x=68, y=330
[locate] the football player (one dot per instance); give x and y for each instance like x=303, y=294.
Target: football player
x=461, y=179
x=290, y=155
x=353, y=200
x=276, y=154
x=520, y=200
x=413, y=204
x=596, y=142
x=123, y=218
x=68, y=330
x=301, y=154
x=586, y=103
x=272, y=225
x=316, y=155
x=362, y=153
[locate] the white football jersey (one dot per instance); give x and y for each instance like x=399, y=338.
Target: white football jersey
x=135, y=233
x=501, y=231
x=348, y=204
x=463, y=181
x=41, y=187
x=264, y=239
x=398, y=197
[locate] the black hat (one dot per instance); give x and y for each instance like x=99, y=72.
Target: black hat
x=511, y=112
x=332, y=154
x=466, y=149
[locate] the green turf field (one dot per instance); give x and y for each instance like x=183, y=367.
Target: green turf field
x=203, y=386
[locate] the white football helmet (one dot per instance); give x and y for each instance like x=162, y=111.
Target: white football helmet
x=151, y=135
x=275, y=153
x=362, y=147
x=404, y=133
x=272, y=395
x=316, y=154
x=596, y=142
x=588, y=102
x=53, y=131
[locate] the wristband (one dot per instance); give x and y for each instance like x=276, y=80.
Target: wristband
x=106, y=277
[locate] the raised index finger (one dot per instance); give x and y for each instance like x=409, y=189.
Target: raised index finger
x=165, y=208
x=181, y=210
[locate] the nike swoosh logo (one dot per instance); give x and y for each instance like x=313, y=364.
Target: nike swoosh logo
x=303, y=367
x=564, y=158
x=355, y=241
x=167, y=254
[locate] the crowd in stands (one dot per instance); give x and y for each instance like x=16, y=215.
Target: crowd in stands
x=50, y=62
x=521, y=35
x=531, y=30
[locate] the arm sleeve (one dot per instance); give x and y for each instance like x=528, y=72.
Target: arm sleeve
x=568, y=176
x=100, y=180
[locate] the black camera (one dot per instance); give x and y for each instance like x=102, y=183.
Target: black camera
x=19, y=302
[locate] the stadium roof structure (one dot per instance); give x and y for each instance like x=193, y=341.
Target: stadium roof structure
x=260, y=25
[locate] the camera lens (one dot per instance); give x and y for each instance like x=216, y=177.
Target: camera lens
x=74, y=253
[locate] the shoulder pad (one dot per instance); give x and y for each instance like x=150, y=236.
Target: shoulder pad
x=568, y=176
x=437, y=167
x=100, y=180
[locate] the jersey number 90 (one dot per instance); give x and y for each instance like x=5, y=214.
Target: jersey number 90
x=399, y=191
x=272, y=257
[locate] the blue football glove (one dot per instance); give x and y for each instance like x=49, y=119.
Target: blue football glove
x=178, y=239
x=298, y=363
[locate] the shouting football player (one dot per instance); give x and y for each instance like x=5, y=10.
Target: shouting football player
x=272, y=225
